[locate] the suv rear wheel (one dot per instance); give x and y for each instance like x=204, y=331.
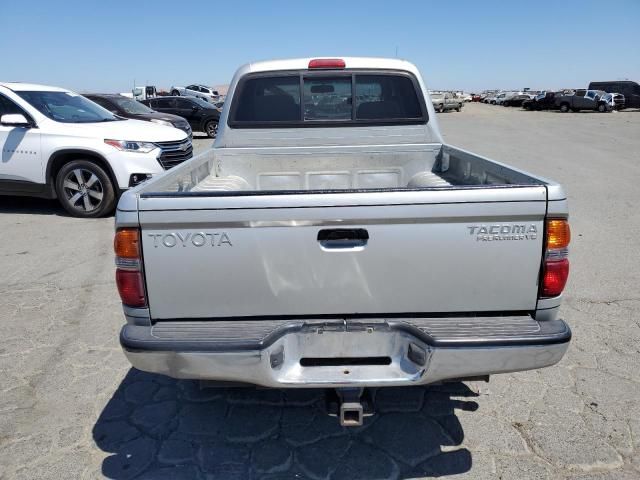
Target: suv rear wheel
x=85, y=190
x=211, y=128
x=175, y=93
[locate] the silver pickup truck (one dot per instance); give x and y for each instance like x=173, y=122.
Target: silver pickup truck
x=446, y=101
x=331, y=239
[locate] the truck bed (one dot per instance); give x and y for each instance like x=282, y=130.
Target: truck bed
x=318, y=169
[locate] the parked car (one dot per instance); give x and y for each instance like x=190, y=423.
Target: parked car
x=129, y=108
x=446, y=101
x=630, y=90
x=615, y=100
x=505, y=96
x=201, y=115
x=499, y=98
x=493, y=98
x=582, y=100
x=200, y=91
x=543, y=101
x=58, y=144
x=280, y=244
x=487, y=96
x=476, y=97
x=516, y=100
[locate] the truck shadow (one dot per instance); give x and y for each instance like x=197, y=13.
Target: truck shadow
x=158, y=428
x=34, y=206
x=30, y=205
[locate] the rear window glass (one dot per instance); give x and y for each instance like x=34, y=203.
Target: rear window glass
x=327, y=98
x=270, y=99
x=386, y=97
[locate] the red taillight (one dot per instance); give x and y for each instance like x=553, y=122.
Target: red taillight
x=131, y=288
x=327, y=63
x=555, y=269
x=555, y=277
x=129, y=267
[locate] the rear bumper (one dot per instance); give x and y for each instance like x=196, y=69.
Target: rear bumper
x=335, y=353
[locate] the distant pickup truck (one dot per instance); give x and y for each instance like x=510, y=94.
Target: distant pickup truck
x=446, y=101
x=583, y=100
x=331, y=239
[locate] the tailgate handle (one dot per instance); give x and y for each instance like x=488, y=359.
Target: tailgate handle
x=343, y=238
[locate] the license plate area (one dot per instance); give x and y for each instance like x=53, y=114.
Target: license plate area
x=343, y=361
x=348, y=353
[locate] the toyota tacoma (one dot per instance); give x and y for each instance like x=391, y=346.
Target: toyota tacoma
x=332, y=239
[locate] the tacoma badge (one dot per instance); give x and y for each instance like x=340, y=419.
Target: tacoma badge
x=499, y=232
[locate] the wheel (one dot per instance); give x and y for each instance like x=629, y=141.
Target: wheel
x=175, y=93
x=602, y=108
x=85, y=190
x=564, y=108
x=441, y=108
x=459, y=107
x=211, y=128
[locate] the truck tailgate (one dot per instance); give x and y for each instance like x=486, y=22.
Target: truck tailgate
x=343, y=254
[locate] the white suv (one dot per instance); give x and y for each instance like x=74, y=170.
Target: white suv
x=207, y=94
x=57, y=144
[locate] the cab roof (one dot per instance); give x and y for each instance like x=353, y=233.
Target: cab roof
x=373, y=63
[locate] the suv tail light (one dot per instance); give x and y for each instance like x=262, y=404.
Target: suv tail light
x=555, y=270
x=129, y=267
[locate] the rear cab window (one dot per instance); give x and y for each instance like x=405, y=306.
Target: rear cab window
x=328, y=98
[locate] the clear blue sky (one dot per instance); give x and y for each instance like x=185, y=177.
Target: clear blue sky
x=104, y=46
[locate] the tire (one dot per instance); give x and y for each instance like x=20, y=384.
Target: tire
x=459, y=108
x=602, y=108
x=564, y=108
x=85, y=190
x=441, y=108
x=211, y=128
x=175, y=93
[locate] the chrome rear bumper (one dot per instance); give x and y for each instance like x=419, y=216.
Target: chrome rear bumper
x=336, y=353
